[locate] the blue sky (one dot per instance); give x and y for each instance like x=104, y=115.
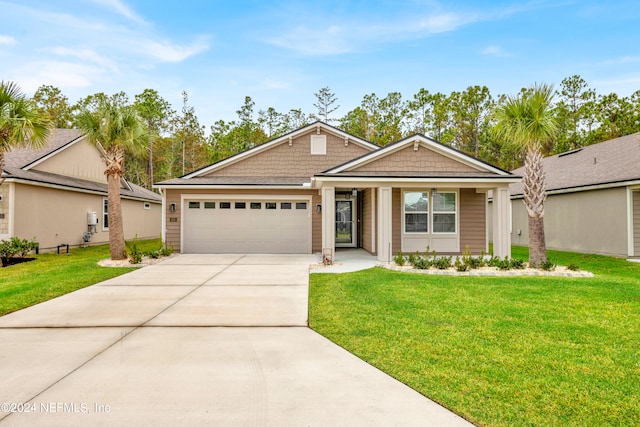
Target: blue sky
x=281, y=52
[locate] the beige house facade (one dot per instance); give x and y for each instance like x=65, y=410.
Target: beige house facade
x=593, y=200
x=319, y=189
x=58, y=193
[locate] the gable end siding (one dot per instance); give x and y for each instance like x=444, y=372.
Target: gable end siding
x=409, y=160
x=81, y=160
x=296, y=160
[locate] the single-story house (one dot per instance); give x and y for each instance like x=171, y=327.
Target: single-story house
x=57, y=193
x=593, y=200
x=319, y=188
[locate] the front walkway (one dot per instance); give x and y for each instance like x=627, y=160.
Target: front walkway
x=156, y=347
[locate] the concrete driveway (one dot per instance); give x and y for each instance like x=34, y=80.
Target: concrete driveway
x=194, y=340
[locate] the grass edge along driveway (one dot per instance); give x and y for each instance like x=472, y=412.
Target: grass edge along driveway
x=51, y=275
x=508, y=351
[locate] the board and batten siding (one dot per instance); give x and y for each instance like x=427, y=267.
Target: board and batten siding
x=173, y=196
x=636, y=223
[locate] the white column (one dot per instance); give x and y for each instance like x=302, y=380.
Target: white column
x=329, y=219
x=384, y=224
x=501, y=222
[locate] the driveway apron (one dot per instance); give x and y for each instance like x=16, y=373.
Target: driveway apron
x=194, y=340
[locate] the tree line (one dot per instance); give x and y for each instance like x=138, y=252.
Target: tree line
x=178, y=142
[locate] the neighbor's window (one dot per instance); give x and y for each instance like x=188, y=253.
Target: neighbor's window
x=416, y=212
x=105, y=214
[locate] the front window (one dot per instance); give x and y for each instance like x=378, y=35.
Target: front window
x=444, y=212
x=416, y=212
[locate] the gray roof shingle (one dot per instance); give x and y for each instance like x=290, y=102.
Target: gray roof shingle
x=19, y=158
x=609, y=162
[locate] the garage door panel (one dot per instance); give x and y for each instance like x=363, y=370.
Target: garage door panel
x=247, y=230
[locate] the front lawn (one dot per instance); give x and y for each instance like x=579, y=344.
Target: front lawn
x=508, y=351
x=51, y=275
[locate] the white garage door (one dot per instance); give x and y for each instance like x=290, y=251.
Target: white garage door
x=247, y=226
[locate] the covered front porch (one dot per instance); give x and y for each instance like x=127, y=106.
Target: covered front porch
x=386, y=216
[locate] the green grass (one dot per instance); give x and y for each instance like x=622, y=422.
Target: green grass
x=51, y=275
x=509, y=351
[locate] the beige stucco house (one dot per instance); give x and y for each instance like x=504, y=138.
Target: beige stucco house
x=318, y=188
x=50, y=194
x=593, y=200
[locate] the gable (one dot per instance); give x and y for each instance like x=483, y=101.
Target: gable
x=292, y=157
x=79, y=160
x=408, y=159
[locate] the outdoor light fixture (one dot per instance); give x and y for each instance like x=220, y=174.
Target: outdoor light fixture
x=172, y=207
x=354, y=192
x=318, y=208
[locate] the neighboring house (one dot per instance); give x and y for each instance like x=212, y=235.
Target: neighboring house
x=318, y=188
x=49, y=194
x=593, y=200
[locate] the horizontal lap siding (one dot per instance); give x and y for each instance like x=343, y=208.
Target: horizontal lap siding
x=473, y=221
x=396, y=221
x=366, y=220
x=173, y=196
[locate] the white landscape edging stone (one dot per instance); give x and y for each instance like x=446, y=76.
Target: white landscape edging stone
x=488, y=271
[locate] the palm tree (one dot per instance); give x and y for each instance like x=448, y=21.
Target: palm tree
x=114, y=129
x=21, y=122
x=528, y=121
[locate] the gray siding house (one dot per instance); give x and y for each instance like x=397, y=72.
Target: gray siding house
x=593, y=200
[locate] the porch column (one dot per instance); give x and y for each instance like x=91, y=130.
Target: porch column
x=384, y=224
x=501, y=222
x=329, y=219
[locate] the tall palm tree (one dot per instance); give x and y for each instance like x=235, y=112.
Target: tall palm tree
x=114, y=129
x=528, y=121
x=21, y=122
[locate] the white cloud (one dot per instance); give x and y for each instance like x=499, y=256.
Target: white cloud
x=169, y=52
x=84, y=55
x=7, y=40
x=315, y=41
x=495, y=51
x=622, y=60
x=122, y=9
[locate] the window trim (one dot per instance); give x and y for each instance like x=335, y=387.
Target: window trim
x=404, y=212
x=454, y=213
x=431, y=211
x=105, y=214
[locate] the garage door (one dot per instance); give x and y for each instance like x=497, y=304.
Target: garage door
x=247, y=226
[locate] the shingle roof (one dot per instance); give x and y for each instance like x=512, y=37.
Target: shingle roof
x=41, y=177
x=21, y=157
x=609, y=162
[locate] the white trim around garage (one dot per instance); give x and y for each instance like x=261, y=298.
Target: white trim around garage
x=247, y=197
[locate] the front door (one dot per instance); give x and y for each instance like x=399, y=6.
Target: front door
x=345, y=224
